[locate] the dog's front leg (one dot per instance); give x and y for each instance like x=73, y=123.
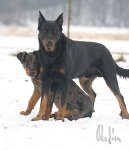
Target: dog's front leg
x=50, y=101
x=46, y=86
x=32, y=102
x=65, y=89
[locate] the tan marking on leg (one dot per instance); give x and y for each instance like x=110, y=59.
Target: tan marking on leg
x=47, y=114
x=32, y=102
x=48, y=111
x=87, y=88
x=42, y=109
x=124, y=112
x=61, y=113
x=82, y=80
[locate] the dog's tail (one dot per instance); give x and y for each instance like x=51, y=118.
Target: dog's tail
x=122, y=72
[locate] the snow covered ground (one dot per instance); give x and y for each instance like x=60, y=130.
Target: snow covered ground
x=19, y=132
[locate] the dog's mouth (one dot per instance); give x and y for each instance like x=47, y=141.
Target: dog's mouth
x=49, y=45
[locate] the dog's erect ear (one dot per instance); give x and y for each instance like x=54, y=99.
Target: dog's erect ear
x=60, y=19
x=33, y=57
x=40, y=19
x=21, y=56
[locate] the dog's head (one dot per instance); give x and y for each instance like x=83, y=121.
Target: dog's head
x=49, y=32
x=29, y=62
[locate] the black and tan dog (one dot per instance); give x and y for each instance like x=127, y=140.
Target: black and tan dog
x=64, y=59
x=78, y=105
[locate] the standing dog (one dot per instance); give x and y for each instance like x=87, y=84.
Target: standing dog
x=78, y=105
x=64, y=59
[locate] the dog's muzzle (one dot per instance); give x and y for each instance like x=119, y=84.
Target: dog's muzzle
x=49, y=45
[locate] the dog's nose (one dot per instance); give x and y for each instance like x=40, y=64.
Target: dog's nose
x=50, y=43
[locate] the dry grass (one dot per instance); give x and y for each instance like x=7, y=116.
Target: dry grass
x=99, y=36
x=19, y=31
x=32, y=31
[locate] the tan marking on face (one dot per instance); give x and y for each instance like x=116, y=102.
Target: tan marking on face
x=27, y=70
x=47, y=46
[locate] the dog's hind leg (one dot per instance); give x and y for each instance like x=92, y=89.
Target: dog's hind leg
x=73, y=114
x=112, y=83
x=86, y=84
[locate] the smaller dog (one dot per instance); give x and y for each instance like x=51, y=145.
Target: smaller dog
x=78, y=105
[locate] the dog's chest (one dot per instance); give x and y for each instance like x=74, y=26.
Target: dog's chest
x=54, y=71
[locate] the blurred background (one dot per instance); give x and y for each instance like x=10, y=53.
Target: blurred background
x=100, y=13
x=104, y=21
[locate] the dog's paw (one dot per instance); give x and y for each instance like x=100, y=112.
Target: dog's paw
x=37, y=118
x=25, y=113
x=124, y=116
x=59, y=117
x=46, y=117
x=54, y=115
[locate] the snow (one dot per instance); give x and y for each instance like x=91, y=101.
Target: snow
x=19, y=132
